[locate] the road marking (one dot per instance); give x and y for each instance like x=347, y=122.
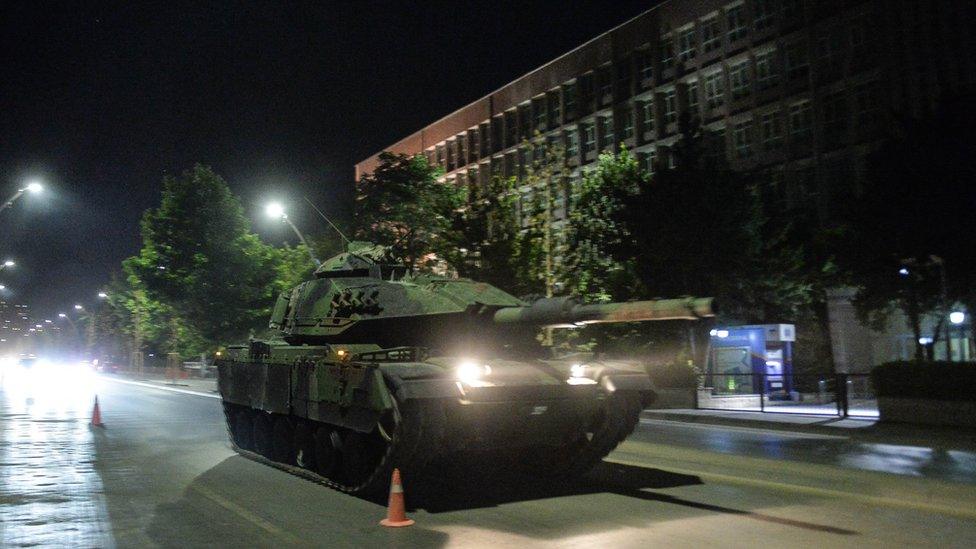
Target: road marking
x=965, y=512
x=163, y=387
x=244, y=513
x=754, y=430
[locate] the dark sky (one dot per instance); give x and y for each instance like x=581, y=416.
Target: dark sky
x=101, y=101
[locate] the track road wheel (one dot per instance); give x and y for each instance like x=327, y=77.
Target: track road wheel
x=361, y=453
x=327, y=444
x=243, y=428
x=282, y=437
x=304, y=446
x=262, y=434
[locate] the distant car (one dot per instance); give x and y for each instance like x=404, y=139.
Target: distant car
x=106, y=366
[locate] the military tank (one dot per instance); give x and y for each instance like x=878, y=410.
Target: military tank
x=377, y=367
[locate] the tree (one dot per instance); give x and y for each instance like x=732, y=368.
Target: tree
x=914, y=214
x=200, y=259
x=403, y=205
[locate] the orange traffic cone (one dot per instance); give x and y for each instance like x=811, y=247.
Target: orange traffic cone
x=96, y=420
x=396, y=514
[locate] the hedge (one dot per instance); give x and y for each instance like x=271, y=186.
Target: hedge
x=926, y=380
x=674, y=376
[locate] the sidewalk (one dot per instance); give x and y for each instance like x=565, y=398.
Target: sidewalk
x=866, y=429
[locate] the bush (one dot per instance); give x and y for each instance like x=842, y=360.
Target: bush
x=675, y=375
x=927, y=380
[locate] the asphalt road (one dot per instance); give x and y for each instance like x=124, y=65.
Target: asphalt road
x=161, y=473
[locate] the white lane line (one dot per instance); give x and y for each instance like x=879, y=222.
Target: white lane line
x=163, y=387
x=753, y=430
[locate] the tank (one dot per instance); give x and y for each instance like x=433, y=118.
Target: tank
x=374, y=367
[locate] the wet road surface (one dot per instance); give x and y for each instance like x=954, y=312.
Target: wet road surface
x=162, y=474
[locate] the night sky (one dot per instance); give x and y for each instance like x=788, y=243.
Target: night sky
x=282, y=99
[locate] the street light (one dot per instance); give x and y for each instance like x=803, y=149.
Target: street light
x=2, y=287
x=957, y=317
x=32, y=187
x=102, y=295
x=62, y=315
x=78, y=307
x=276, y=211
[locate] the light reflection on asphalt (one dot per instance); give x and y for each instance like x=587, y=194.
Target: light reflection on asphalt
x=50, y=492
x=919, y=461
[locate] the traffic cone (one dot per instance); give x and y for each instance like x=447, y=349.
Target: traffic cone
x=396, y=514
x=96, y=420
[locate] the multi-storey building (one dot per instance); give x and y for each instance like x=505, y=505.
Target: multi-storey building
x=800, y=89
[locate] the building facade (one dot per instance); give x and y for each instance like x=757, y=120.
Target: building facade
x=802, y=90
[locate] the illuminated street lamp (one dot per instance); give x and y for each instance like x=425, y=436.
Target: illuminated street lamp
x=33, y=187
x=2, y=287
x=7, y=263
x=275, y=210
x=102, y=295
x=957, y=317
x=78, y=307
x=62, y=315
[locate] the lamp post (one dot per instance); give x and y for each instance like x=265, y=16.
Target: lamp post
x=33, y=187
x=957, y=318
x=277, y=211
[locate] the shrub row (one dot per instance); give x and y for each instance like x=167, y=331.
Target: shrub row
x=927, y=380
x=675, y=375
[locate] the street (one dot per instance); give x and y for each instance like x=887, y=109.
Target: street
x=161, y=473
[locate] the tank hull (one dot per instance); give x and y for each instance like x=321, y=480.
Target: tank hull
x=346, y=424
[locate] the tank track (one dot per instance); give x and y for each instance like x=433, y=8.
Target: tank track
x=418, y=439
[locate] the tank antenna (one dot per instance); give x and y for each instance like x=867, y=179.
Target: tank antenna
x=327, y=220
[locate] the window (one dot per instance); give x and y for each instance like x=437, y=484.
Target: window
x=797, y=65
x=865, y=104
x=739, y=79
x=555, y=109
x=462, y=151
x=606, y=86
x=650, y=161
x=645, y=66
x=765, y=69
x=801, y=122
x=511, y=130
x=439, y=156
x=647, y=116
x=771, y=126
x=835, y=115
x=716, y=139
x=735, y=16
x=627, y=131
x=473, y=177
x=606, y=131
x=711, y=34
x=477, y=144
x=764, y=13
x=714, y=90
x=589, y=138
x=686, y=44
x=572, y=143
x=670, y=107
x=829, y=48
x=667, y=52
x=539, y=114
x=569, y=100
x=792, y=8
x=693, y=96
x=742, y=138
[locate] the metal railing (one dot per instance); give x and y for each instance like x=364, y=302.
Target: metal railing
x=841, y=395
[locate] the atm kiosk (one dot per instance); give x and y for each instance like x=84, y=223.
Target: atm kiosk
x=753, y=359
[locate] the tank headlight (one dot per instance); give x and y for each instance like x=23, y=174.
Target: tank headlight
x=471, y=373
x=577, y=375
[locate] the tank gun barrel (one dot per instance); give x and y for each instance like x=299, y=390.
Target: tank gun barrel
x=568, y=312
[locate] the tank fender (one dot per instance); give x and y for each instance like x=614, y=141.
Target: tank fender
x=640, y=383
